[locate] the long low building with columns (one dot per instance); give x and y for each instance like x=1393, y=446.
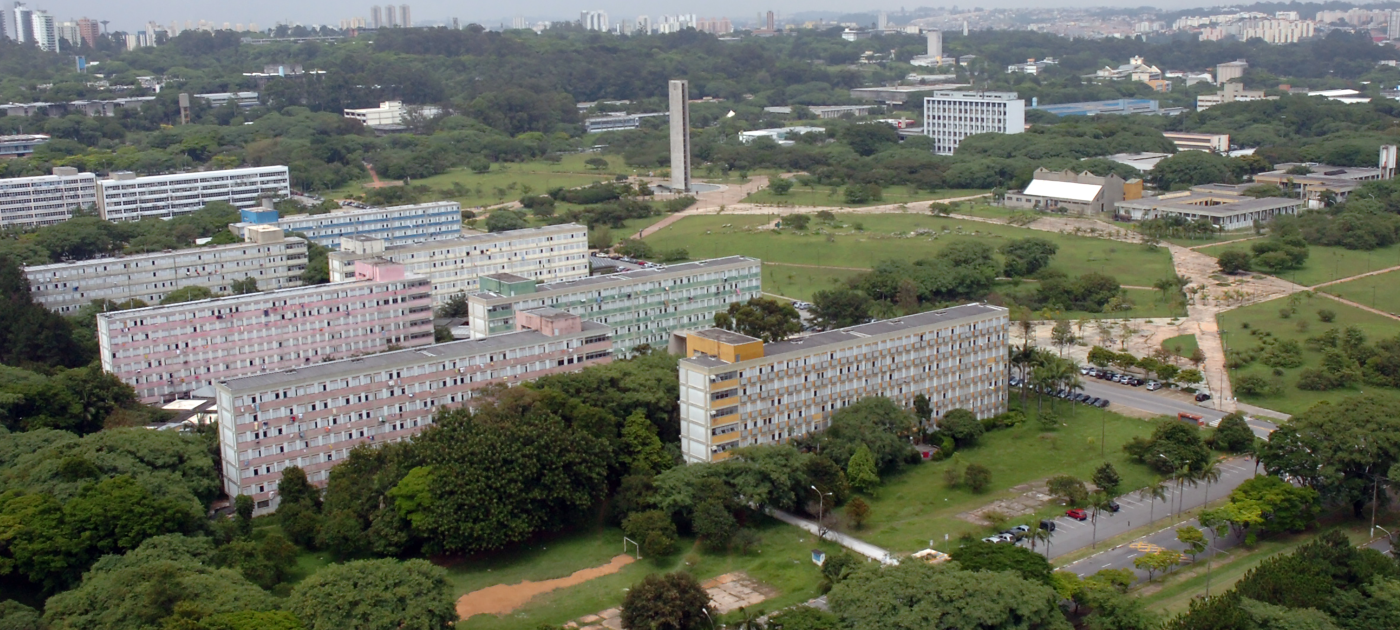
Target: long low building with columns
x=1224, y=205
x=312, y=416
x=738, y=391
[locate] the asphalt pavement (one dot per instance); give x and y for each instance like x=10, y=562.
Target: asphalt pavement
x=1152, y=402
x=1071, y=535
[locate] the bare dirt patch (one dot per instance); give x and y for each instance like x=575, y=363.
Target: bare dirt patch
x=503, y=598
x=1033, y=496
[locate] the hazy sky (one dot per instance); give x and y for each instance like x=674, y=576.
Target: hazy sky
x=131, y=14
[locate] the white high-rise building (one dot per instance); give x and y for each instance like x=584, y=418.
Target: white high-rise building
x=951, y=116
x=883, y=21
x=126, y=197
x=1393, y=25
x=593, y=20
x=935, y=44
x=47, y=199
x=406, y=17
x=45, y=33
x=391, y=16
x=24, y=24
x=376, y=18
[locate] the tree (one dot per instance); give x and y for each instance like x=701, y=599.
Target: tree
x=1173, y=446
x=839, y=566
x=653, y=531
x=962, y=425
x=502, y=220
x=1337, y=448
x=1234, y=435
x=642, y=449
x=977, y=555
x=243, y=511
x=1326, y=315
x=375, y=594
x=761, y=318
x=1106, y=478
x=977, y=477
x=294, y=488
x=1063, y=335
x=857, y=510
x=1193, y=538
x=1026, y=256
x=187, y=294
x=797, y=221
x=914, y=595
x=780, y=186
x=1069, y=489
x=714, y=524
x=244, y=286
x=840, y=308
x=861, y=471
x=600, y=237
x=1190, y=377
x=867, y=140
x=1191, y=168
x=1233, y=261
x=803, y=618
x=1112, y=610
x=596, y=163
x=1161, y=560
x=674, y=601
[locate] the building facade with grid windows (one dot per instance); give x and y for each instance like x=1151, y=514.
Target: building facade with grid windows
x=545, y=254
x=168, y=351
x=951, y=116
x=312, y=417
x=737, y=391
x=127, y=197
x=30, y=202
x=395, y=225
x=273, y=260
x=643, y=306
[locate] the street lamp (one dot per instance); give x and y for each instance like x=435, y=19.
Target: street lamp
x=821, y=505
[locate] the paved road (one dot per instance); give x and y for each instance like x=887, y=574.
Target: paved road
x=854, y=544
x=1151, y=402
x=1071, y=535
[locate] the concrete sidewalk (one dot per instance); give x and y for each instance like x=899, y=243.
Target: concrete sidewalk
x=854, y=544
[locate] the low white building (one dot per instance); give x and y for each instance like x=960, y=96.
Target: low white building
x=390, y=113
x=1224, y=205
x=778, y=135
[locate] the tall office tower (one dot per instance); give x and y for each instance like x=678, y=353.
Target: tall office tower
x=456, y=26
x=517, y=22
x=45, y=35
x=964, y=28
x=1393, y=25
x=680, y=135
x=4, y=34
x=771, y=21
x=88, y=32
x=883, y=21
x=407, y=19
x=593, y=20
x=376, y=19
x=935, y=44
x=391, y=16
x=951, y=116
x=24, y=24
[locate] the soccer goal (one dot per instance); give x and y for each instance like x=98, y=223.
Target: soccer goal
x=628, y=541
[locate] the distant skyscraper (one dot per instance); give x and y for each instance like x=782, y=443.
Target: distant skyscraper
x=935, y=44
x=517, y=22
x=88, y=31
x=3, y=33
x=456, y=26
x=391, y=16
x=680, y=135
x=45, y=35
x=407, y=19
x=771, y=21
x=593, y=20
x=24, y=24
x=376, y=19
x=883, y=21
x=964, y=28
x=1393, y=25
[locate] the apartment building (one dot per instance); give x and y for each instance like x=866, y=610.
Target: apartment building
x=275, y=261
x=396, y=225
x=951, y=116
x=1211, y=142
x=20, y=145
x=545, y=254
x=642, y=307
x=311, y=417
x=168, y=351
x=737, y=391
x=29, y=202
x=127, y=197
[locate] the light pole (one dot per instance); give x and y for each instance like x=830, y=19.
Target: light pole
x=821, y=505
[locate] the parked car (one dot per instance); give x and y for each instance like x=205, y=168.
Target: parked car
x=1047, y=525
x=1007, y=537
x=1202, y=397
x=1085, y=370
x=1093, y=401
x=1103, y=402
x=1020, y=529
x=1113, y=506
x=1137, y=382
x=1154, y=386
x=991, y=539
x=1077, y=514
x=1015, y=382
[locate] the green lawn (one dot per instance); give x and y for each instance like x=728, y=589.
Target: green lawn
x=822, y=196
x=1181, y=345
x=1376, y=291
x=1172, y=594
x=1213, y=238
x=1326, y=264
x=783, y=562
x=891, y=236
x=799, y=283
x=539, y=175
x=915, y=506
x=1265, y=317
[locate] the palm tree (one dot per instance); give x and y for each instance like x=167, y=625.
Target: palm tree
x=1099, y=500
x=1072, y=382
x=1037, y=534
x=1208, y=472
x=1165, y=286
x=1023, y=359
x=1044, y=377
x=1182, y=475
x=1156, y=491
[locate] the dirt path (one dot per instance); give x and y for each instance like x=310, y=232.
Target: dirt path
x=778, y=264
x=1360, y=306
x=1238, y=240
x=1369, y=273
x=503, y=598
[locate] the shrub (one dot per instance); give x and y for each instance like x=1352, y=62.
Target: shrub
x=1255, y=385
x=653, y=531
x=977, y=477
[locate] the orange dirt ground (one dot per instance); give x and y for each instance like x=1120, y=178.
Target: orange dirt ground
x=504, y=598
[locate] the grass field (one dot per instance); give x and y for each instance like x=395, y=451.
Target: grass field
x=1326, y=264
x=822, y=196
x=1172, y=594
x=1376, y=291
x=1181, y=345
x=784, y=563
x=890, y=236
x=1265, y=317
x=915, y=506
x=539, y=175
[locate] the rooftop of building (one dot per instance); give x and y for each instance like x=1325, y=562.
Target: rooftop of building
x=233, y=300
x=508, y=278
x=853, y=333
x=402, y=358
x=469, y=239
x=151, y=255
x=1321, y=172
x=1210, y=202
x=626, y=277
x=348, y=210
x=1067, y=191
x=545, y=312
x=25, y=137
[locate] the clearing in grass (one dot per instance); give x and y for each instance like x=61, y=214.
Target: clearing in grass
x=1376, y=291
x=824, y=196
x=1181, y=345
x=506, y=181
x=1326, y=264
